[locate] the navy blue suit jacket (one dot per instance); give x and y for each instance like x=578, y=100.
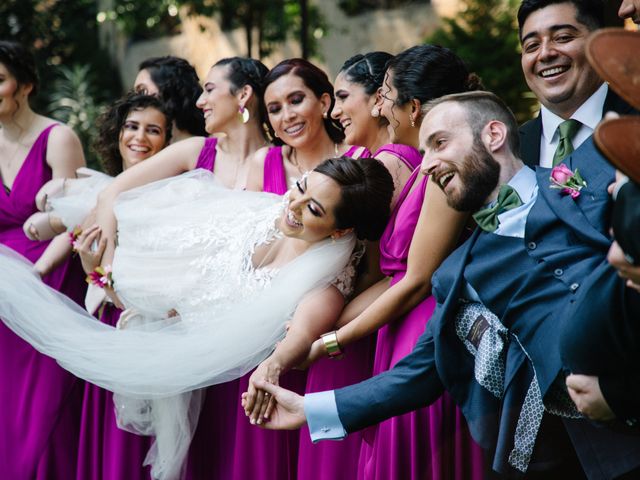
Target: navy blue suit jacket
x=565, y=240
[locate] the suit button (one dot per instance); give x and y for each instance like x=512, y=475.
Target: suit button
x=558, y=272
x=531, y=245
x=574, y=287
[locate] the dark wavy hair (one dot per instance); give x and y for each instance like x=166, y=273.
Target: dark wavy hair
x=366, y=189
x=179, y=88
x=590, y=13
x=425, y=72
x=247, y=71
x=316, y=81
x=20, y=63
x=107, y=144
x=367, y=70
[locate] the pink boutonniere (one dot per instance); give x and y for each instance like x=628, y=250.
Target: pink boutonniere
x=570, y=183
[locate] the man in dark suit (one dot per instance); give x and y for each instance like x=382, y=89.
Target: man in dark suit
x=601, y=345
x=553, y=35
x=492, y=341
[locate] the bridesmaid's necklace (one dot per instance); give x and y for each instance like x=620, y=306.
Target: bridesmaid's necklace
x=293, y=158
x=12, y=158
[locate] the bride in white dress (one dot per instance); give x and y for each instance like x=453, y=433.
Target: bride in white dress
x=233, y=265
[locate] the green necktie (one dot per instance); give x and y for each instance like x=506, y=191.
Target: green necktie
x=487, y=218
x=567, y=130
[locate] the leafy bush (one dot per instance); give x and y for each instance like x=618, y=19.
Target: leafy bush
x=72, y=101
x=485, y=35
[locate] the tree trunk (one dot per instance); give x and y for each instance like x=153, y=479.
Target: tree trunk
x=304, y=28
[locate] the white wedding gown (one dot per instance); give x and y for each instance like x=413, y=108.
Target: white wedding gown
x=184, y=244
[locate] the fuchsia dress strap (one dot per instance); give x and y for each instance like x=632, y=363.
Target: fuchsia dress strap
x=365, y=153
x=275, y=177
x=207, y=157
x=409, y=155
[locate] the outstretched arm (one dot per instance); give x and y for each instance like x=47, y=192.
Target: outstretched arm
x=316, y=314
x=436, y=235
x=64, y=156
x=411, y=384
x=173, y=160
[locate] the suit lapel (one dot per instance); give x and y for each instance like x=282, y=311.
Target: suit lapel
x=613, y=103
x=447, y=281
x=566, y=208
x=530, y=134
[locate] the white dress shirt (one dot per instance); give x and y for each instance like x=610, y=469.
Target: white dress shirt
x=321, y=409
x=589, y=115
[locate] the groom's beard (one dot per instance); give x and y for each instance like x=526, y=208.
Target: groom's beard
x=478, y=177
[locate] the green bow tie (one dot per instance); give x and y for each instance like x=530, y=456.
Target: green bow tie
x=566, y=130
x=487, y=218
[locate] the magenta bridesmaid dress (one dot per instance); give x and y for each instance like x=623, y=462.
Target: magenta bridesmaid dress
x=264, y=454
x=431, y=443
x=212, y=444
x=331, y=460
x=105, y=451
x=39, y=401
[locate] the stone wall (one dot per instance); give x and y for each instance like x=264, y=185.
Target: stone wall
x=202, y=42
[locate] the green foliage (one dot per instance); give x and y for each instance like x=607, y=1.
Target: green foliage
x=60, y=33
x=274, y=21
x=485, y=35
x=355, y=7
x=72, y=101
x=142, y=20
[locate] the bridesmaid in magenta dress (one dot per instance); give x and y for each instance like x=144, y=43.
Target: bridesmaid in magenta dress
x=40, y=401
x=231, y=87
x=355, y=91
x=106, y=452
x=298, y=99
x=431, y=443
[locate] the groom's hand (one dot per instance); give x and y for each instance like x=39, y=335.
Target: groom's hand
x=288, y=413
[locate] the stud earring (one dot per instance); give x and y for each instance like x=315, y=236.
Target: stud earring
x=243, y=113
x=324, y=115
x=375, y=112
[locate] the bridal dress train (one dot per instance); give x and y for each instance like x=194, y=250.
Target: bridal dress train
x=185, y=244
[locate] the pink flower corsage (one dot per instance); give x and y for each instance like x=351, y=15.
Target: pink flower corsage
x=73, y=237
x=569, y=183
x=101, y=277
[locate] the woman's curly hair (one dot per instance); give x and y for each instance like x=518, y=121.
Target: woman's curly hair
x=110, y=123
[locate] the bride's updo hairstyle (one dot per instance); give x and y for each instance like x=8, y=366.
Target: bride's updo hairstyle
x=316, y=81
x=366, y=189
x=247, y=71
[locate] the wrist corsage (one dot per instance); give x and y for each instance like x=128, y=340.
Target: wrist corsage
x=101, y=277
x=73, y=238
x=570, y=183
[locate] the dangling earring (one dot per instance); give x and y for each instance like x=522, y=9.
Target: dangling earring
x=375, y=112
x=243, y=113
x=413, y=123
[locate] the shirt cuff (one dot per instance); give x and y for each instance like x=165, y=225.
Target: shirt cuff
x=621, y=183
x=322, y=416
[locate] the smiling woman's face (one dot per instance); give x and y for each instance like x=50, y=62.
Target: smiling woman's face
x=353, y=110
x=143, y=134
x=310, y=213
x=294, y=111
